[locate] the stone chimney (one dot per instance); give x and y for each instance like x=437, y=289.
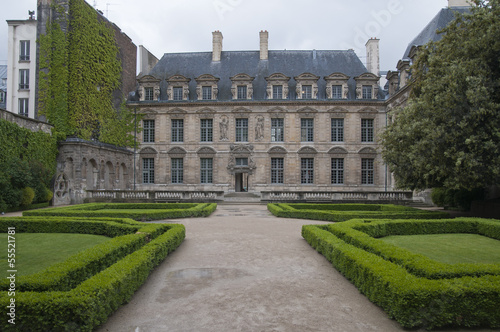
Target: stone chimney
x=458, y=3
x=264, y=45
x=373, y=56
x=217, y=45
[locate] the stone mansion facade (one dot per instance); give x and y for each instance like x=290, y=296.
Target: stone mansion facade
x=237, y=121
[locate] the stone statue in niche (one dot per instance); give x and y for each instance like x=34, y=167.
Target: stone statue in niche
x=223, y=129
x=259, y=128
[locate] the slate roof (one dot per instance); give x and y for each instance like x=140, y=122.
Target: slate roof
x=289, y=63
x=430, y=32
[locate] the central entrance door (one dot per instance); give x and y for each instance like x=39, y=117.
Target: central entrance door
x=241, y=182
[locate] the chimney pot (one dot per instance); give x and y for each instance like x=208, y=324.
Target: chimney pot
x=264, y=45
x=217, y=45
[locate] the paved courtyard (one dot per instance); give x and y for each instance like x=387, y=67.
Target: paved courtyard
x=242, y=269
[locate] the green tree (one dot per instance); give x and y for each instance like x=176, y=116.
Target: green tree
x=448, y=135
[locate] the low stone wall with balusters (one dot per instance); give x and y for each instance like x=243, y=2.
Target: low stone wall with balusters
x=397, y=197
x=144, y=196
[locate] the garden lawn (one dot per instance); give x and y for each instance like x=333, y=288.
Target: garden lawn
x=451, y=248
x=37, y=251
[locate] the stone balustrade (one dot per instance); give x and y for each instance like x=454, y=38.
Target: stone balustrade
x=337, y=197
x=153, y=196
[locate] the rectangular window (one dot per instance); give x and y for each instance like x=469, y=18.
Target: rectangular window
x=277, y=91
x=307, y=130
x=148, y=93
x=307, y=171
x=337, y=91
x=337, y=170
x=24, y=79
x=177, y=130
x=24, y=54
x=307, y=92
x=337, y=130
x=2, y=96
x=206, y=93
x=242, y=162
x=177, y=170
x=277, y=170
x=148, y=170
x=367, y=171
x=23, y=106
x=367, y=92
x=241, y=130
x=242, y=92
x=367, y=130
x=148, y=132
x=277, y=130
x=207, y=170
x=177, y=93
x=207, y=130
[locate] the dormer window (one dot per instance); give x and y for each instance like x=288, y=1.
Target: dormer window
x=367, y=86
x=207, y=87
x=149, y=88
x=277, y=86
x=241, y=87
x=178, y=88
x=307, y=86
x=337, y=86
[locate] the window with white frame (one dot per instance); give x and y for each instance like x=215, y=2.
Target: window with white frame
x=24, y=79
x=2, y=96
x=24, y=52
x=277, y=130
x=241, y=130
x=367, y=171
x=207, y=128
x=207, y=170
x=337, y=92
x=306, y=91
x=207, y=92
x=367, y=130
x=367, y=91
x=277, y=170
x=148, y=170
x=177, y=130
x=337, y=170
x=242, y=92
x=149, y=93
x=23, y=106
x=337, y=130
x=148, y=131
x=277, y=91
x=307, y=130
x=307, y=171
x=177, y=93
x=242, y=162
x=177, y=170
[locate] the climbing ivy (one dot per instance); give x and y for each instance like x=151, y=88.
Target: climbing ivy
x=80, y=69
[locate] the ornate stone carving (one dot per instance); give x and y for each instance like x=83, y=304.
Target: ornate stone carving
x=241, y=151
x=259, y=128
x=307, y=150
x=337, y=151
x=223, y=128
x=277, y=150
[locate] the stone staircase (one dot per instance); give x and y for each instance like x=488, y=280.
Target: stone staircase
x=241, y=198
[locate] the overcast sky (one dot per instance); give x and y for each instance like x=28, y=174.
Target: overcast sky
x=187, y=25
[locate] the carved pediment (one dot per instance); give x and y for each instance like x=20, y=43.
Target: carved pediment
x=148, y=79
x=177, y=151
x=338, y=110
x=242, y=77
x=178, y=79
x=277, y=110
x=367, y=77
x=241, y=149
x=277, y=150
x=206, y=111
x=206, y=151
x=337, y=76
x=306, y=77
x=307, y=110
x=177, y=111
x=307, y=150
x=368, y=110
x=207, y=78
x=241, y=110
x=277, y=77
x=370, y=151
x=148, y=150
x=337, y=150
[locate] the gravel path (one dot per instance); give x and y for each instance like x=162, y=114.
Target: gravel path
x=242, y=269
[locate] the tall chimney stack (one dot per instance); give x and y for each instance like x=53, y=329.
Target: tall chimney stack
x=458, y=3
x=264, y=45
x=217, y=45
x=373, y=56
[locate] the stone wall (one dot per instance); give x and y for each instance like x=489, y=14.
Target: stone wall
x=25, y=122
x=84, y=165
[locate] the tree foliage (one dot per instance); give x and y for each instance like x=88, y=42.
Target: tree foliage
x=448, y=135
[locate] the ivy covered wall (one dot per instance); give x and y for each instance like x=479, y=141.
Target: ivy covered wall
x=81, y=72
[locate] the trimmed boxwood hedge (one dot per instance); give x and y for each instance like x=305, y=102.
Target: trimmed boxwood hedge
x=343, y=212
x=136, y=211
x=386, y=274
x=102, y=290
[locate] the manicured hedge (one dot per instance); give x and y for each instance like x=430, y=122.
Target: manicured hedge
x=381, y=272
x=138, y=211
x=343, y=212
x=88, y=304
